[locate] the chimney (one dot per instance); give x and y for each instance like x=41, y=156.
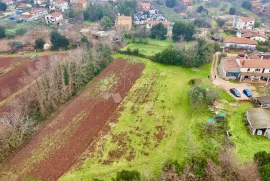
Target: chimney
x=262, y=57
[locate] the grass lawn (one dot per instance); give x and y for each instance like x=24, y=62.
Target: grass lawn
x=157, y=124
x=148, y=50
x=88, y=22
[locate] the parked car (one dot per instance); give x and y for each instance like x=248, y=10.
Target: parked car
x=247, y=92
x=235, y=92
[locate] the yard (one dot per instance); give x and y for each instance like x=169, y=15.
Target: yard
x=156, y=123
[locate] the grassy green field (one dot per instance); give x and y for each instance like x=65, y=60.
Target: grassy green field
x=151, y=48
x=169, y=13
x=157, y=124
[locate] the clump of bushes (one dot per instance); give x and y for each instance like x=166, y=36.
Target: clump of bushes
x=135, y=52
x=10, y=34
x=263, y=160
x=201, y=95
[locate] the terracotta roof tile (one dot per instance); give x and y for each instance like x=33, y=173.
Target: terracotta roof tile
x=56, y=14
x=246, y=19
x=255, y=63
x=240, y=41
x=229, y=64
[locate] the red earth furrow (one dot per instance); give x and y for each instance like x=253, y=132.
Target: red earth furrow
x=74, y=142
x=6, y=62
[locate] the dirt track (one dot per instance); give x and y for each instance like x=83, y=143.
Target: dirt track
x=53, y=151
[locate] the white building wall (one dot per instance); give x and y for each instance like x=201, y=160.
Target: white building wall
x=234, y=45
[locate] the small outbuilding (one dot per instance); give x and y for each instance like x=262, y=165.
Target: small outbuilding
x=259, y=121
x=263, y=102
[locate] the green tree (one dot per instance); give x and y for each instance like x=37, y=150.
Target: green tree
x=21, y=31
x=265, y=172
x=158, y=31
x=15, y=45
x=3, y=6
x=232, y=11
x=10, y=34
x=257, y=24
x=39, y=44
x=106, y=23
x=220, y=22
x=58, y=41
x=186, y=30
x=170, y=3
x=201, y=9
x=2, y=31
x=247, y=5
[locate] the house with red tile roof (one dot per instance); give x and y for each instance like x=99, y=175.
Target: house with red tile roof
x=151, y=23
x=244, y=43
x=246, y=68
x=8, y=2
x=240, y=22
x=143, y=6
x=54, y=18
x=123, y=23
x=187, y=2
x=58, y=5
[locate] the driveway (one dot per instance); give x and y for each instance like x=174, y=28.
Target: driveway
x=226, y=85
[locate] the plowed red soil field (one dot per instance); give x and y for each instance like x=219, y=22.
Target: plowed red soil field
x=11, y=81
x=58, y=145
x=6, y=62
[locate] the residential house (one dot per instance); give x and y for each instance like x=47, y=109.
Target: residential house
x=39, y=2
x=229, y=68
x=8, y=2
x=151, y=23
x=243, y=22
x=123, y=23
x=258, y=120
x=243, y=43
x=263, y=101
x=257, y=36
x=242, y=31
x=54, y=18
x=34, y=14
x=187, y=2
x=24, y=6
x=58, y=5
x=252, y=69
x=79, y=3
x=143, y=6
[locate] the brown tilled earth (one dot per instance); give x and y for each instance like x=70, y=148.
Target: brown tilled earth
x=6, y=62
x=56, y=147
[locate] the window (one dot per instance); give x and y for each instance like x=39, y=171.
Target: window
x=248, y=70
x=257, y=70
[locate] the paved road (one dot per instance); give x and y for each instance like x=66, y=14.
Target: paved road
x=226, y=85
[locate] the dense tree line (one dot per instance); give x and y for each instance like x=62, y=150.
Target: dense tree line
x=184, y=30
x=158, y=31
x=128, y=8
x=195, y=56
x=59, y=41
x=96, y=12
x=170, y=3
x=3, y=6
x=59, y=80
x=247, y=5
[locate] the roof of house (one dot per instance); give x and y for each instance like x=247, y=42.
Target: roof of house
x=124, y=18
x=259, y=118
x=240, y=41
x=255, y=63
x=152, y=22
x=247, y=35
x=23, y=5
x=244, y=30
x=37, y=10
x=229, y=64
x=60, y=1
x=263, y=99
x=254, y=34
x=26, y=16
x=56, y=14
x=187, y=1
x=246, y=19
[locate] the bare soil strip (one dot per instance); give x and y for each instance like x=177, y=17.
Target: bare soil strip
x=55, y=149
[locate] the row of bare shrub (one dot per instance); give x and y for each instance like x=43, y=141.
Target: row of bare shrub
x=51, y=84
x=226, y=168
